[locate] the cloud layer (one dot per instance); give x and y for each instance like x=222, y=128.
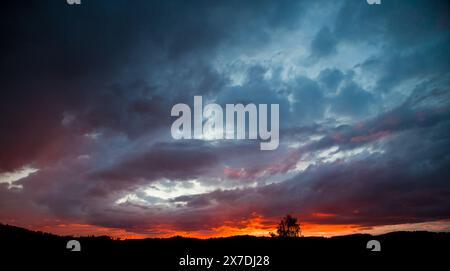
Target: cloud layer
x=87, y=92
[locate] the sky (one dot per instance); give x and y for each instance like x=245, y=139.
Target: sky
x=86, y=93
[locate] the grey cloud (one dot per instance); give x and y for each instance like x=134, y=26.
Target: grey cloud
x=324, y=43
x=331, y=78
x=163, y=160
x=352, y=100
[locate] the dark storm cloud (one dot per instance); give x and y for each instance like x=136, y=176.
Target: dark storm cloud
x=419, y=111
x=413, y=38
x=323, y=44
x=309, y=99
x=58, y=58
x=174, y=160
x=391, y=21
x=352, y=100
x=395, y=68
x=331, y=78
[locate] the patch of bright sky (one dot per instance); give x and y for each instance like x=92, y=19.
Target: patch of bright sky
x=93, y=135
x=167, y=189
x=333, y=154
x=11, y=177
x=301, y=143
x=162, y=192
x=131, y=198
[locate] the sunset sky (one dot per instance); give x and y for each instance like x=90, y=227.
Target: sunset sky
x=86, y=93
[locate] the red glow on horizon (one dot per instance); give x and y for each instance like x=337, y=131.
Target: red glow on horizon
x=256, y=226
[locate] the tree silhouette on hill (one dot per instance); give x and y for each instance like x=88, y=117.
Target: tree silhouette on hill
x=288, y=227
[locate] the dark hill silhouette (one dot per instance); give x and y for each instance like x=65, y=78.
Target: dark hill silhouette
x=282, y=251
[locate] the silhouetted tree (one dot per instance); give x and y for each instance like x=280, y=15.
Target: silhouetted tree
x=288, y=227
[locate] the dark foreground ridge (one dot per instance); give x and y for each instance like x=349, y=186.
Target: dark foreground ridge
x=281, y=251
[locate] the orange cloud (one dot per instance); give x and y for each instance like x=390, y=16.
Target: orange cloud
x=323, y=215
